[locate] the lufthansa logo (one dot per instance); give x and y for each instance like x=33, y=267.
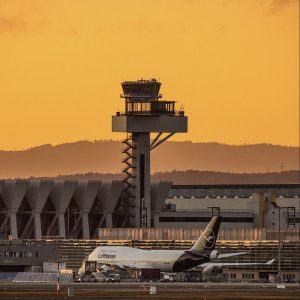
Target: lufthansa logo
x=106, y=256
x=208, y=242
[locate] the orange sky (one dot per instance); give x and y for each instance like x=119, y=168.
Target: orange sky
x=234, y=65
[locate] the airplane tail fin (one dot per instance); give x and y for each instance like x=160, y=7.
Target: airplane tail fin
x=270, y=262
x=208, y=238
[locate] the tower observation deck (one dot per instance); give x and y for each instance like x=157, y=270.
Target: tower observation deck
x=144, y=113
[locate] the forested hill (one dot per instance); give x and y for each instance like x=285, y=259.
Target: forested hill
x=105, y=157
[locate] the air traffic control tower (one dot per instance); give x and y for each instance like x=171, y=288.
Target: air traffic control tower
x=144, y=114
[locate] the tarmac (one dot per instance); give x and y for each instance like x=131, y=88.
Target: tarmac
x=139, y=290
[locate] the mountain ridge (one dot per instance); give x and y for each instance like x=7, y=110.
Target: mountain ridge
x=195, y=177
x=105, y=156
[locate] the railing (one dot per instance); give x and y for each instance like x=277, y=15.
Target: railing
x=176, y=113
x=150, y=107
x=141, y=96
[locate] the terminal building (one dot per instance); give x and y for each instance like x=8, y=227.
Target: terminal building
x=242, y=206
x=32, y=209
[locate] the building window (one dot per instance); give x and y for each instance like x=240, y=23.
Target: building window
x=27, y=254
x=206, y=219
x=247, y=276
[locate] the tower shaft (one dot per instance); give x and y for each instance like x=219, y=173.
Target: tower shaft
x=141, y=161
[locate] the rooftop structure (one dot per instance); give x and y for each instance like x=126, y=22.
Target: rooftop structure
x=141, y=90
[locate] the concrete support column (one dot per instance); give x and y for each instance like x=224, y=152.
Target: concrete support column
x=108, y=195
x=109, y=223
x=141, y=154
x=85, y=196
x=85, y=224
x=12, y=194
x=37, y=194
x=13, y=223
x=61, y=195
x=61, y=223
x=37, y=224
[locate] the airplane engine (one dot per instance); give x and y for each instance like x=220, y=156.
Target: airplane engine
x=212, y=269
x=106, y=268
x=214, y=254
x=208, y=270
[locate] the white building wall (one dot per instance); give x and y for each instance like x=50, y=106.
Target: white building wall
x=202, y=203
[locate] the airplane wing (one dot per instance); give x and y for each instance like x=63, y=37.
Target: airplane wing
x=215, y=264
x=224, y=255
x=137, y=266
x=126, y=265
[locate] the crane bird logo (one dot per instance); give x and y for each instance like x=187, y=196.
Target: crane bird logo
x=209, y=239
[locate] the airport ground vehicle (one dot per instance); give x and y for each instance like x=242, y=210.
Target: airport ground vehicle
x=76, y=279
x=192, y=277
x=113, y=278
x=91, y=277
x=149, y=275
x=169, y=277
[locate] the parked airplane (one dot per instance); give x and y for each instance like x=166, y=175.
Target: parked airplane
x=202, y=252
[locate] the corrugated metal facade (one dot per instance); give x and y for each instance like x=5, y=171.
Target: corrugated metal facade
x=193, y=233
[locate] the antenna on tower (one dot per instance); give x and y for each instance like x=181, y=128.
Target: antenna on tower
x=282, y=167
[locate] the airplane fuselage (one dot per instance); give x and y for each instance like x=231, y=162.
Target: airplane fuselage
x=133, y=258
x=201, y=253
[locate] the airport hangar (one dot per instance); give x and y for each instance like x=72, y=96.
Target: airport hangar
x=32, y=209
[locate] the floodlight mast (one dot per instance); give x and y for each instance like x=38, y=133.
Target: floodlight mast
x=144, y=114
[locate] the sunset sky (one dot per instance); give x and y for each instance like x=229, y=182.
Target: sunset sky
x=233, y=65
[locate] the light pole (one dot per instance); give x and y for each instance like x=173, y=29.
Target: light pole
x=279, y=241
x=288, y=208
x=68, y=222
x=57, y=283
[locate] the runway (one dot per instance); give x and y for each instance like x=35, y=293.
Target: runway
x=137, y=290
